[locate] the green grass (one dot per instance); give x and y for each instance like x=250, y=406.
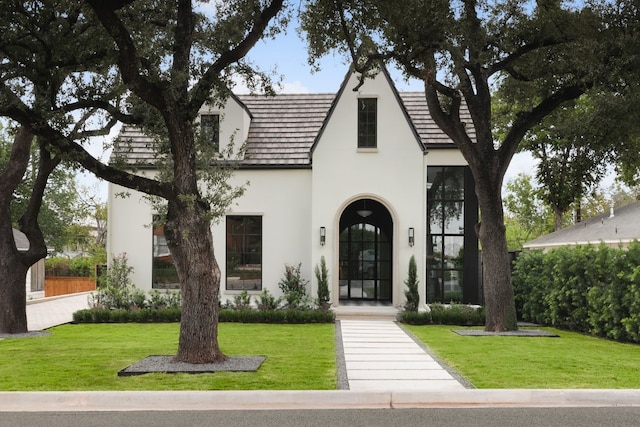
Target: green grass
x=89, y=356
x=571, y=361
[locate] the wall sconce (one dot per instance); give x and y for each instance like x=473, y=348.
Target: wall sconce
x=411, y=236
x=323, y=236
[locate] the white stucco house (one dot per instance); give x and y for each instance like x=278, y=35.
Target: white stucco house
x=364, y=178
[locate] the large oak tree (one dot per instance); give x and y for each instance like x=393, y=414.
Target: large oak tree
x=173, y=57
x=462, y=51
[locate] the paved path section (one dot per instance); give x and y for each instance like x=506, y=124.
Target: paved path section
x=380, y=356
x=54, y=311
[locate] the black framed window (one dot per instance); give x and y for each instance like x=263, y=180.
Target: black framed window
x=244, y=252
x=210, y=128
x=367, y=122
x=164, y=274
x=445, y=233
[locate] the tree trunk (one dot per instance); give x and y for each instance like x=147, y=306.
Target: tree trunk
x=496, y=270
x=189, y=238
x=557, y=214
x=13, y=275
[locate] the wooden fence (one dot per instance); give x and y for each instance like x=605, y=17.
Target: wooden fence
x=68, y=285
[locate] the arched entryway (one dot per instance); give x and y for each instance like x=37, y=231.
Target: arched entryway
x=366, y=252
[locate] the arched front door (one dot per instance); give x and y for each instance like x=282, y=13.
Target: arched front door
x=366, y=252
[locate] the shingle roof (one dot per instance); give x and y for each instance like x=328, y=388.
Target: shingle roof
x=283, y=129
x=430, y=133
x=622, y=227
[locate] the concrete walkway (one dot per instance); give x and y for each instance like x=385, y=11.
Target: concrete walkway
x=48, y=312
x=380, y=356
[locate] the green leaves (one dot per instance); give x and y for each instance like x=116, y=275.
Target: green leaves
x=588, y=289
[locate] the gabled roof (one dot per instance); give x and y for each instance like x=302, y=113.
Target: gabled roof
x=623, y=227
x=283, y=129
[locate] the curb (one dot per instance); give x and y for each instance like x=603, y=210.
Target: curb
x=293, y=399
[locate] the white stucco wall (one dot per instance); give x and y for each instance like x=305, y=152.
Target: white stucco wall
x=393, y=174
x=281, y=197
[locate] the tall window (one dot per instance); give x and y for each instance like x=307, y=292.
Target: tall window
x=367, y=122
x=210, y=128
x=244, y=253
x=164, y=274
x=445, y=234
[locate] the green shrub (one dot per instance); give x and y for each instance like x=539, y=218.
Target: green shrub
x=267, y=301
x=454, y=314
x=127, y=316
x=411, y=293
x=415, y=318
x=294, y=288
x=242, y=301
x=322, y=277
x=587, y=289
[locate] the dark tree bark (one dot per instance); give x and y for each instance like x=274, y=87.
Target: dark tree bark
x=14, y=264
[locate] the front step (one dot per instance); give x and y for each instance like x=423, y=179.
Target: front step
x=371, y=312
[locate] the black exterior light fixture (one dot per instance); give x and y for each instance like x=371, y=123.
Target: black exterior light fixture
x=411, y=236
x=323, y=236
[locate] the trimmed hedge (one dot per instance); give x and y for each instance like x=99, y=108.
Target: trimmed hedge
x=147, y=315
x=455, y=314
x=588, y=289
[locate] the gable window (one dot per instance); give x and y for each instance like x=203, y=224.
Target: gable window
x=244, y=252
x=367, y=122
x=210, y=128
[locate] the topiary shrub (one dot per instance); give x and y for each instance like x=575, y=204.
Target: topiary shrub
x=322, y=277
x=411, y=293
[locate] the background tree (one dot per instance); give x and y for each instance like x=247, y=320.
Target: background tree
x=463, y=50
x=576, y=144
x=172, y=62
x=59, y=211
x=526, y=215
x=36, y=84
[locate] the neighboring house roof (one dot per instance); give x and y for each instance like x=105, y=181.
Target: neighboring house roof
x=22, y=243
x=284, y=127
x=621, y=228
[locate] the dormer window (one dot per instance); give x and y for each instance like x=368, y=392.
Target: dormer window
x=367, y=122
x=210, y=128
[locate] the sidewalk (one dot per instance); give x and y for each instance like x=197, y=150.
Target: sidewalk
x=48, y=312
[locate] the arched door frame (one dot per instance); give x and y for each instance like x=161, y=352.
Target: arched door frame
x=335, y=264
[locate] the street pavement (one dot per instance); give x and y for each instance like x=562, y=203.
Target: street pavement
x=385, y=369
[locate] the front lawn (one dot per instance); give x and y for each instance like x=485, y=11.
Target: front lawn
x=89, y=356
x=571, y=361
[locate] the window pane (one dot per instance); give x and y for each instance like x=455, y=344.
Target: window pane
x=210, y=128
x=454, y=183
x=454, y=217
x=163, y=273
x=244, y=252
x=453, y=251
x=367, y=122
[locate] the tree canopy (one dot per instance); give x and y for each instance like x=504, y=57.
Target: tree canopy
x=541, y=53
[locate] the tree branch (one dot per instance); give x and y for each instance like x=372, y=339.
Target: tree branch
x=201, y=90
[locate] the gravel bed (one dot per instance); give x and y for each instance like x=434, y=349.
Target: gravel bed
x=166, y=364
x=518, y=333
